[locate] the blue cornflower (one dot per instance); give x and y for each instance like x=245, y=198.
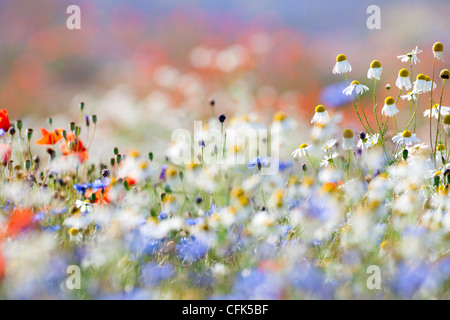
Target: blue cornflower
x=283, y=165
x=152, y=273
x=190, y=249
x=82, y=187
x=100, y=184
x=259, y=162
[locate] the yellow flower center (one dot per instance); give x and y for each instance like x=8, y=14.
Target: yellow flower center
x=171, y=171
x=279, y=116
x=438, y=47
x=447, y=119
x=355, y=83
x=73, y=232
x=421, y=76
x=375, y=64
x=347, y=133
x=320, y=108
x=440, y=147
x=304, y=145
x=427, y=78
x=406, y=134
x=403, y=73
x=389, y=101
x=340, y=58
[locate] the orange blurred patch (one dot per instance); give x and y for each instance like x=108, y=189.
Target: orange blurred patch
x=20, y=221
x=50, y=138
x=100, y=197
x=74, y=146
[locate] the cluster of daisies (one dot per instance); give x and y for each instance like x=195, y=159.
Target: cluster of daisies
x=375, y=134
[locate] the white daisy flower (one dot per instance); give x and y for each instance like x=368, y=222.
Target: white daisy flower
x=389, y=109
x=438, y=49
x=410, y=96
x=347, y=139
x=403, y=80
x=434, y=111
x=372, y=140
x=375, y=70
x=321, y=115
x=420, y=85
x=429, y=84
x=329, y=144
x=328, y=159
x=411, y=55
x=301, y=151
x=83, y=206
x=406, y=138
x=342, y=65
x=355, y=85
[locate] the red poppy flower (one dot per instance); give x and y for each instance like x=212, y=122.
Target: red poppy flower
x=99, y=195
x=20, y=220
x=74, y=146
x=4, y=120
x=50, y=138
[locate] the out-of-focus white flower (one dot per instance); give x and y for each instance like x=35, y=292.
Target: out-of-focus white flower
x=347, y=139
x=435, y=111
x=329, y=159
x=301, y=151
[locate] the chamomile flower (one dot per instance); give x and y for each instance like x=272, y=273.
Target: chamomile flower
x=372, y=140
x=446, y=121
x=329, y=144
x=347, y=139
x=429, y=84
x=321, y=115
x=83, y=206
x=355, y=85
x=438, y=49
x=410, y=55
x=301, y=151
x=329, y=159
x=403, y=80
x=409, y=96
x=389, y=109
x=342, y=65
x=435, y=111
x=420, y=85
x=406, y=138
x=375, y=70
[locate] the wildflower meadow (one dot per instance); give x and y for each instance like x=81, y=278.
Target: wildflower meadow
x=235, y=205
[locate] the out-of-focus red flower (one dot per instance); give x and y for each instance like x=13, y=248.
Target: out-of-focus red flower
x=20, y=220
x=74, y=146
x=5, y=152
x=50, y=138
x=101, y=197
x=4, y=120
